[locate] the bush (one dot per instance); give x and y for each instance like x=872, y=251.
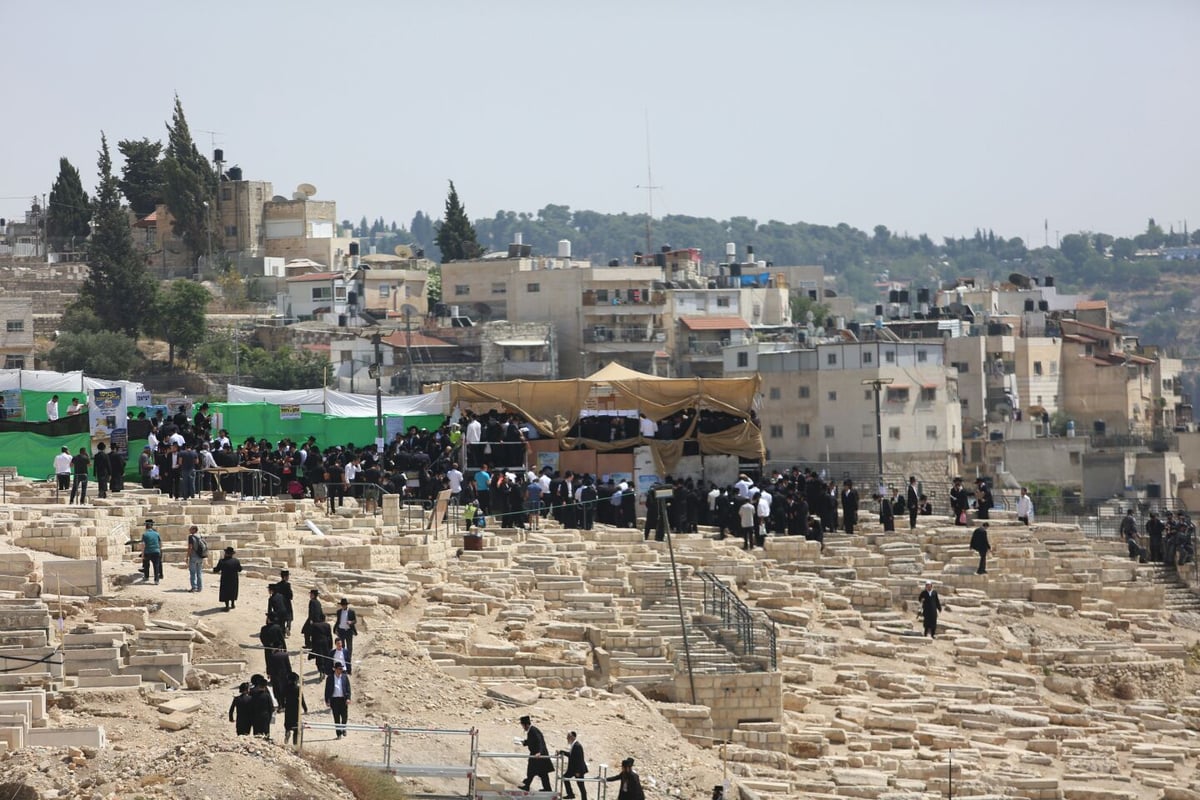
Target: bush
x=100, y=354
x=363, y=782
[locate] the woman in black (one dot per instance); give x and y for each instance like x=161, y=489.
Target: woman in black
x=228, y=567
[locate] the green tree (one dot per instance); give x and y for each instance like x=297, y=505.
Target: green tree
x=189, y=186
x=802, y=304
x=69, y=213
x=117, y=289
x=1076, y=247
x=1123, y=249
x=181, y=315
x=100, y=354
x=1152, y=238
x=142, y=174
x=284, y=368
x=456, y=235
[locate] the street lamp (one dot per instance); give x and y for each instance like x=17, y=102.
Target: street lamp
x=876, y=383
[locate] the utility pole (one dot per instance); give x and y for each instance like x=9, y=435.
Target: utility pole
x=876, y=383
x=649, y=187
x=376, y=340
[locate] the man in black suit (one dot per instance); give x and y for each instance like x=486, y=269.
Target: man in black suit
x=539, y=757
x=576, y=766
x=849, y=505
x=337, y=697
x=631, y=784
x=914, y=500
x=345, y=628
x=270, y=636
x=315, y=612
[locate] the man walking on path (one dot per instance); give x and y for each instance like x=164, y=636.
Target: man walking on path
x=539, y=757
x=931, y=606
x=980, y=544
x=576, y=767
x=151, y=553
x=197, y=549
x=337, y=697
x=346, y=628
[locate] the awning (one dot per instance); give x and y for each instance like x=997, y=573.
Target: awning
x=521, y=342
x=715, y=323
x=929, y=385
x=891, y=386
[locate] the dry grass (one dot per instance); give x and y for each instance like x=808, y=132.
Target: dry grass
x=364, y=783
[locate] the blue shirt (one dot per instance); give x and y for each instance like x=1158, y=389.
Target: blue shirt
x=151, y=541
x=482, y=479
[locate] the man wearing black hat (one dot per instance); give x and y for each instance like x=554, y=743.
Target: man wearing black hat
x=539, y=757
x=981, y=545
x=151, y=552
x=983, y=499
x=345, y=628
x=631, y=784
x=913, y=501
x=270, y=636
x=284, y=589
x=262, y=706
x=959, y=502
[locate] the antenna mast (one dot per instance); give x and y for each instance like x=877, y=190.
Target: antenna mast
x=649, y=187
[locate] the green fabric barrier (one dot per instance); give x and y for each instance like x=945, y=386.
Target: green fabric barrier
x=261, y=420
x=33, y=455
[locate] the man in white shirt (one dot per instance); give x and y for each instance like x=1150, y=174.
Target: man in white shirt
x=474, y=431
x=62, y=469
x=743, y=486
x=75, y=407
x=337, y=697
x=455, y=477
x=647, y=427
x=1025, y=507
x=152, y=442
x=176, y=438
x=52, y=408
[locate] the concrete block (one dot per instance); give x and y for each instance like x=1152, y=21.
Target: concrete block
x=66, y=737
x=175, y=722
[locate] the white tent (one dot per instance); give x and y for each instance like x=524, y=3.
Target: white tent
x=38, y=380
x=341, y=404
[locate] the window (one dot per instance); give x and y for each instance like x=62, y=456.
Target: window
x=533, y=288
x=14, y=361
x=828, y=431
x=16, y=326
x=499, y=287
x=320, y=293
x=890, y=356
x=962, y=366
x=868, y=358
x=831, y=359
x=774, y=393
x=868, y=430
x=922, y=356
x=461, y=289
x=1037, y=368
x=743, y=359
x=722, y=302
x=897, y=394
x=804, y=392
x=801, y=430
x=226, y=194
x=832, y=396
x=894, y=434
x=231, y=231
x=931, y=432
x=1074, y=458
x=384, y=290
x=928, y=394
x=602, y=295
x=868, y=394
x=339, y=292
x=776, y=432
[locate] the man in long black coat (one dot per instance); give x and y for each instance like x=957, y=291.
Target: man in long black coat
x=631, y=784
x=960, y=501
x=849, y=505
x=912, y=501
x=931, y=606
x=540, y=764
x=981, y=545
x=228, y=567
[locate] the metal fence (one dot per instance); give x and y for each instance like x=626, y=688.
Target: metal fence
x=754, y=638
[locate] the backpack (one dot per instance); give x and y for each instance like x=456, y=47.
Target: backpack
x=199, y=546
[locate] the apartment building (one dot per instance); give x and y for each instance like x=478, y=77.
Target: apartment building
x=16, y=337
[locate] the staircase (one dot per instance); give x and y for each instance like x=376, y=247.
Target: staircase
x=1177, y=597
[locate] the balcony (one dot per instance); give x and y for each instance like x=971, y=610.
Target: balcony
x=647, y=302
x=700, y=351
x=525, y=369
x=633, y=337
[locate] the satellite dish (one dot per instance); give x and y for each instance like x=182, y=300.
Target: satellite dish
x=306, y=189
x=830, y=293
x=404, y=251
x=410, y=310
x=483, y=310
x=278, y=199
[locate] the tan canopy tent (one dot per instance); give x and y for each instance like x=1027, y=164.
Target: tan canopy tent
x=554, y=406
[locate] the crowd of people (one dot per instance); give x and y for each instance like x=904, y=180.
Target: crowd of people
x=1169, y=539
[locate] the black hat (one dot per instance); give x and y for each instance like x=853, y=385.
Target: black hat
x=284, y=572
x=344, y=602
x=627, y=762
x=228, y=551
x=257, y=680
x=525, y=720
x=243, y=687
x=149, y=523
x=313, y=592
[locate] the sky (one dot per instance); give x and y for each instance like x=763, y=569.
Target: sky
x=935, y=117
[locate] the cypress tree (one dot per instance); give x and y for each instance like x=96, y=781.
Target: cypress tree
x=189, y=183
x=117, y=288
x=456, y=235
x=69, y=213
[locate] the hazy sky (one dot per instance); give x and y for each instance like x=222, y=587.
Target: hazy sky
x=924, y=116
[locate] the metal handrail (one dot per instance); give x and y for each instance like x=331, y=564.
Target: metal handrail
x=755, y=630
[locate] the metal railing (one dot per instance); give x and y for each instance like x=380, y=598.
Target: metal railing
x=755, y=640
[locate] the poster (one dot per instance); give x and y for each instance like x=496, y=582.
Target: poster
x=393, y=427
x=142, y=399
x=108, y=415
x=11, y=401
x=547, y=460
x=289, y=412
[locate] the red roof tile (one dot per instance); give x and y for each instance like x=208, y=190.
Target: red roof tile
x=715, y=323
